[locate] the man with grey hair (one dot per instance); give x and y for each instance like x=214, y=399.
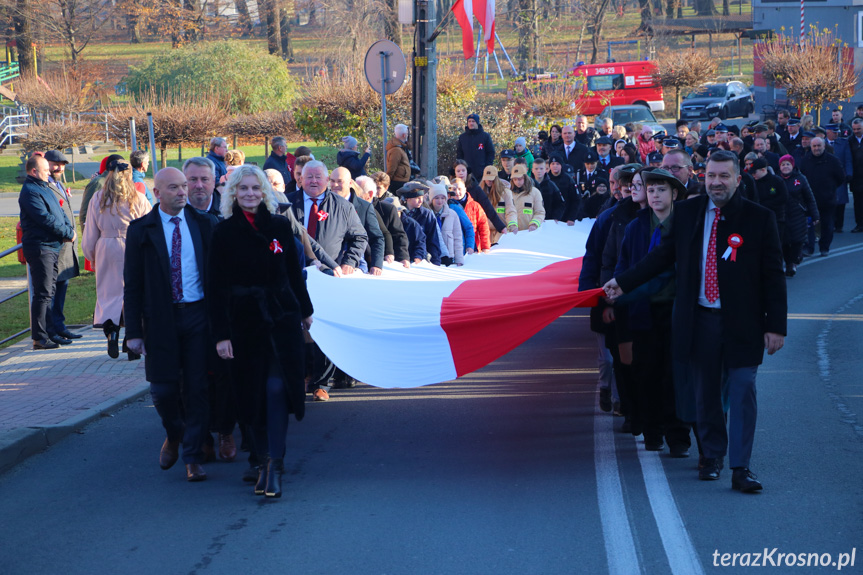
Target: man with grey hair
x=349, y=157
x=398, y=159
x=825, y=173
x=679, y=163
x=333, y=222
x=201, y=176
x=218, y=149
x=279, y=159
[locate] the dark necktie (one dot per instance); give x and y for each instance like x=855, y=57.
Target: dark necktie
x=711, y=278
x=313, y=219
x=176, y=263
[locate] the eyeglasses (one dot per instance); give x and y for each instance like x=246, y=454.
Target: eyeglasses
x=675, y=168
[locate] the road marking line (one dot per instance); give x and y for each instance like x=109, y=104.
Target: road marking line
x=616, y=530
x=682, y=557
x=833, y=254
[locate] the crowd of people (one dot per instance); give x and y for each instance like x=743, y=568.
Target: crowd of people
x=206, y=270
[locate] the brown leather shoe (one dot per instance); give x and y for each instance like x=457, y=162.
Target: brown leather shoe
x=169, y=455
x=194, y=472
x=321, y=395
x=227, y=447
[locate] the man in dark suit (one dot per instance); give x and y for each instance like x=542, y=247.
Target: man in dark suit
x=573, y=151
x=333, y=222
x=341, y=184
x=792, y=138
x=730, y=305
x=166, y=317
x=46, y=228
x=607, y=160
x=67, y=262
x=201, y=180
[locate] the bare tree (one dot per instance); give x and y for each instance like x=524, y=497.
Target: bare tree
x=593, y=13
x=59, y=93
x=528, y=35
x=815, y=71
x=274, y=38
x=288, y=12
x=359, y=24
x=22, y=17
x=682, y=69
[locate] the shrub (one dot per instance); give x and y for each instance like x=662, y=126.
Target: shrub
x=249, y=79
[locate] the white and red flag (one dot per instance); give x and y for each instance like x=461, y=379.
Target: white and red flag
x=429, y=324
x=484, y=10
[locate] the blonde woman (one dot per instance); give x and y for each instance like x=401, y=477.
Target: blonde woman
x=258, y=306
x=109, y=214
x=500, y=197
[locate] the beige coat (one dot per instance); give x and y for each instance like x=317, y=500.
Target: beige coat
x=505, y=209
x=528, y=207
x=104, y=244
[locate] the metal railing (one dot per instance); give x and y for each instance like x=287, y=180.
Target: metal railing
x=13, y=126
x=9, y=71
x=3, y=254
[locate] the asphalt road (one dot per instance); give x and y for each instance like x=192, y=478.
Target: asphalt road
x=511, y=470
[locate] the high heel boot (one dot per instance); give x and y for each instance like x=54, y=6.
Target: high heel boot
x=261, y=485
x=275, y=468
x=112, y=332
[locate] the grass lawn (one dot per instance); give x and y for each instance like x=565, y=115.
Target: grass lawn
x=14, y=314
x=10, y=167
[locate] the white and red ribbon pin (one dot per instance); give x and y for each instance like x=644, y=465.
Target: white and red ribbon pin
x=734, y=242
x=322, y=216
x=276, y=247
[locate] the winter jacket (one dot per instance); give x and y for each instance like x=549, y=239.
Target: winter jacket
x=44, y=223
x=528, y=157
x=476, y=148
x=843, y=152
x=351, y=160
x=278, y=163
x=482, y=235
x=571, y=197
x=529, y=208
x=620, y=218
x=428, y=222
x=549, y=148
x=552, y=199
x=825, y=173
x=398, y=163
x=644, y=148
x=467, y=230
x=451, y=231
x=416, y=238
x=801, y=204
x=221, y=168
x=773, y=195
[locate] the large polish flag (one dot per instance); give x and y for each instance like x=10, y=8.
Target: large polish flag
x=429, y=324
x=484, y=10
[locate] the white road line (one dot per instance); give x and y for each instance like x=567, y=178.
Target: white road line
x=616, y=530
x=833, y=254
x=682, y=557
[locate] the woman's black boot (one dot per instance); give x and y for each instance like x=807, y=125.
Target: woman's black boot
x=112, y=332
x=261, y=485
x=275, y=468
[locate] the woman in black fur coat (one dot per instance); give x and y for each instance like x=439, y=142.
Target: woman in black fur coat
x=259, y=307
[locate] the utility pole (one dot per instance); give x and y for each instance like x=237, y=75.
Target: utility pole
x=424, y=80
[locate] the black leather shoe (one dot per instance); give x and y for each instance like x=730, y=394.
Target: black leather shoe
x=678, y=451
x=44, y=344
x=250, y=475
x=857, y=230
x=114, y=344
x=69, y=335
x=58, y=339
x=605, y=399
x=710, y=470
x=702, y=459
x=194, y=472
x=653, y=444
x=275, y=468
x=745, y=481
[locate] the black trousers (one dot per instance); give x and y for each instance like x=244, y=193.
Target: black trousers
x=43, y=277
x=183, y=403
x=56, y=317
x=652, y=369
x=320, y=367
x=857, y=194
x=839, y=218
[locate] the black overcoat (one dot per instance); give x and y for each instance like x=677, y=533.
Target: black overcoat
x=147, y=301
x=257, y=299
x=751, y=288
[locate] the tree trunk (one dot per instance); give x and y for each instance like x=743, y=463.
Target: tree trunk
x=646, y=7
x=285, y=32
x=133, y=24
x=672, y=7
x=580, y=41
x=24, y=37
x=244, y=19
x=726, y=9
x=274, y=40
x=705, y=8
x=527, y=40
x=163, y=161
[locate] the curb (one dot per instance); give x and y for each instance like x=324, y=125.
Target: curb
x=19, y=444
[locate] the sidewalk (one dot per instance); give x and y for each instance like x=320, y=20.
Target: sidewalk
x=49, y=394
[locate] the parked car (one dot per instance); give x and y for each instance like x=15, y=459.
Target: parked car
x=621, y=115
x=726, y=100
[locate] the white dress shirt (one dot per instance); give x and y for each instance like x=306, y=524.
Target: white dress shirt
x=709, y=216
x=193, y=289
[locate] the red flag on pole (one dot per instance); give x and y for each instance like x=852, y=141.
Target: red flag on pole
x=484, y=10
x=463, y=10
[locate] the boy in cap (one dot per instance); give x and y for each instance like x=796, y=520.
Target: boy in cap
x=507, y=159
x=413, y=194
x=654, y=159
x=414, y=232
x=527, y=199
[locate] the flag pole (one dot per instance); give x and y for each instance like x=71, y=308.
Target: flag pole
x=443, y=23
x=496, y=61
x=476, y=52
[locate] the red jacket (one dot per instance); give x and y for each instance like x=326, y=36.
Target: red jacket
x=480, y=223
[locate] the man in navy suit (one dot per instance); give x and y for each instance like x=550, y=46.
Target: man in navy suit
x=730, y=306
